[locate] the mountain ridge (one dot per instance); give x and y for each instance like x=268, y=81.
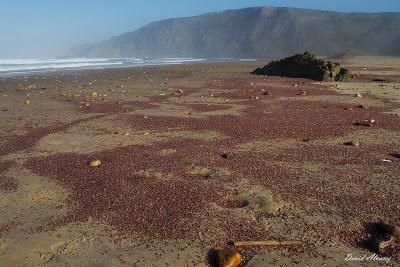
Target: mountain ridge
x=256, y=32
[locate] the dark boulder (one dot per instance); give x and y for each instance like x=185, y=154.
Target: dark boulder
x=305, y=66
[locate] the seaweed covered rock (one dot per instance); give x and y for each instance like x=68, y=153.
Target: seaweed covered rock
x=305, y=66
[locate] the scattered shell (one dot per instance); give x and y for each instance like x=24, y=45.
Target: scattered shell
x=95, y=163
x=358, y=95
x=94, y=94
x=27, y=102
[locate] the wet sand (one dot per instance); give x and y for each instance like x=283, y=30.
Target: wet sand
x=193, y=156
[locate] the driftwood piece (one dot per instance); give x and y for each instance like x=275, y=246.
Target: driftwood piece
x=267, y=243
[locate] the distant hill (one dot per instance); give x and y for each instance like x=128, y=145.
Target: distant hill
x=256, y=33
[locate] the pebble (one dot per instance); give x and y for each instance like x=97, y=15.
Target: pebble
x=302, y=93
x=225, y=156
x=95, y=163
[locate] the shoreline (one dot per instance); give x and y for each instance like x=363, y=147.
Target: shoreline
x=157, y=63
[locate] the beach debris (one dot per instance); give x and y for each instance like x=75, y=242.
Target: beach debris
x=358, y=95
x=229, y=257
x=355, y=143
x=226, y=156
x=95, y=163
x=179, y=94
x=118, y=131
x=302, y=93
x=267, y=243
x=94, y=94
x=383, y=237
x=305, y=66
x=307, y=140
x=367, y=123
x=27, y=102
x=387, y=161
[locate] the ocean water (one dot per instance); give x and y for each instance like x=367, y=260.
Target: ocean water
x=15, y=67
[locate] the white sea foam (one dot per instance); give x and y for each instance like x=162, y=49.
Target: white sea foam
x=10, y=67
x=54, y=66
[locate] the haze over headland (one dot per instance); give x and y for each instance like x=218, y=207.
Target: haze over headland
x=47, y=29
x=259, y=32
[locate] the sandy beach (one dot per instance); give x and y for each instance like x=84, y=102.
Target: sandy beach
x=192, y=156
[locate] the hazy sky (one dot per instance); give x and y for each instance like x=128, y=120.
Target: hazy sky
x=47, y=28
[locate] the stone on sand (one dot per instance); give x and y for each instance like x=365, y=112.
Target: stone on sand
x=305, y=66
x=355, y=143
x=95, y=163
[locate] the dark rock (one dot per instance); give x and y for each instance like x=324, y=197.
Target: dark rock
x=366, y=123
x=305, y=66
x=225, y=156
x=382, y=237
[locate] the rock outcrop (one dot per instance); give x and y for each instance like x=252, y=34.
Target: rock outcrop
x=305, y=66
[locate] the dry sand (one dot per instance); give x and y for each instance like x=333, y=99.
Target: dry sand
x=231, y=156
